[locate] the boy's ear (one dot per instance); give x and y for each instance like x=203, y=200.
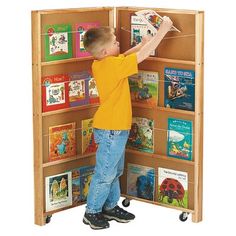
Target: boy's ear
x=104, y=52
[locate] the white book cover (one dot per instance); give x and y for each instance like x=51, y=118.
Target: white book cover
x=58, y=191
x=152, y=19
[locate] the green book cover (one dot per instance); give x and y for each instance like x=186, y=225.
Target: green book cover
x=58, y=42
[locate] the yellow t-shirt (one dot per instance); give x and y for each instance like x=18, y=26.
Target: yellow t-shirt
x=110, y=73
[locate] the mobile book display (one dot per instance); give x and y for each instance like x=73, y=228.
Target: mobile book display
x=60, y=67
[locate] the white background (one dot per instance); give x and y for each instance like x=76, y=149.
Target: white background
x=16, y=194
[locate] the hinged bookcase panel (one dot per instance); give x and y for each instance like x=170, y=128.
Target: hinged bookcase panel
x=179, y=50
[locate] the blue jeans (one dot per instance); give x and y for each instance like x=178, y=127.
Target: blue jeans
x=104, y=190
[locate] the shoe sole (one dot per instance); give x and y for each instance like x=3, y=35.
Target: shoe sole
x=116, y=219
x=87, y=222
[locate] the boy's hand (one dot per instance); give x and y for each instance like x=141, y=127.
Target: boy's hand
x=145, y=39
x=166, y=24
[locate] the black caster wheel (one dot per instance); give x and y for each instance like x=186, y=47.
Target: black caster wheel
x=48, y=219
x=126, y=202
x=183, y=216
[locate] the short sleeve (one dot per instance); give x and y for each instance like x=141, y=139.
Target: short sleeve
x=126, y=65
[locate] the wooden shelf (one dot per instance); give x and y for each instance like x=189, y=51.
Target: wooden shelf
x=62, y=161
x=70, y=60
x=49, y=113
x=169, y=60
x=160, y=157
x=157, y=203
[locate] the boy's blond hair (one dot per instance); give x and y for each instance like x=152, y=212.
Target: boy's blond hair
x=96, y=38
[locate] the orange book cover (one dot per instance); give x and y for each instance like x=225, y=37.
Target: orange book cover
x=62, y=143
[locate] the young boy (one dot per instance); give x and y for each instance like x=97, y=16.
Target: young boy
x=112, y=120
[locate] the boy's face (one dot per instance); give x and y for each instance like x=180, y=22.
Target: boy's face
x=113, y=48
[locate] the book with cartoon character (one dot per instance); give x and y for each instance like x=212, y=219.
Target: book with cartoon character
x=86, y=173
x=141, y=181
x=81, y=29
x=144, y=88
x=141, y=135
x=62, y=141
x=79, y=88
x=93, y=92
x=173, y=187
x=58, y=42
x=179, y=89
x=139, y=29
x=58, y=191
x=152, y=19
x=88, y=142
x=75, y=185
x=55, y=92
x=179, y=139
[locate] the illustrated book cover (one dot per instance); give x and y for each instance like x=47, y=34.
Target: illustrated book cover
x=173, y=187
x=141, y=181
x=62, y=141
x=55, y=92
x=144, y=88
x=179, y=89
x=79, y=88
x=58, y=191
x=58, y=42
x=88, y=142
x=179, y=139
x=141, y=135
x=81, y=29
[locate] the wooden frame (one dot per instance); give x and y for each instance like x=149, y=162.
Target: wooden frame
x=184, y=51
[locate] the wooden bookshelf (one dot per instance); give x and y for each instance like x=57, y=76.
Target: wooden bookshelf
x=183, y=50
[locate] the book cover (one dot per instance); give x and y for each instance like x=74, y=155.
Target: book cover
x=144, y=88
x=81, y=29
x=93, y=92
x=173, y=187
x=62, y=141
x=88, y=142
x=179, y=139
x=58, y=193
x=139, y=29
x=75, y=185
x=141, y=135
x=86, y=173
x=141, y=181
x=58, y=42
x=179, y=89
x=152, y=19
x=55, y=92
x=79, y=88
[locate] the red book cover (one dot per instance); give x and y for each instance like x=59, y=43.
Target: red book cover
x=55, y=92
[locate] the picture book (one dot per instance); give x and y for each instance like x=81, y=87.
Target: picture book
x=88, y=142
x=62, y=141
x=179, y=139
x=144, y=88
x=179, y=89
x=141, y=181
x=139, y=29
x=173, y=187
x=93, y=92
x=86, y=173
x=55, y=92
x=58, y=191
x=152, y=19
x=78, y=88
x=81, y=29
x=58, y=42
x=141, y=135
x=75, y=185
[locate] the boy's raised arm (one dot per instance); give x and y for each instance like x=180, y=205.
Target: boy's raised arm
x=151, y=45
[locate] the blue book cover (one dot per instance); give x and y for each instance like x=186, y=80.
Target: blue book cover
x=86, y=173
x=179, y=89
x=179, y=139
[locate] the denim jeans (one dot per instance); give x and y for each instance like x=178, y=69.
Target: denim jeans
x=104, y=190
